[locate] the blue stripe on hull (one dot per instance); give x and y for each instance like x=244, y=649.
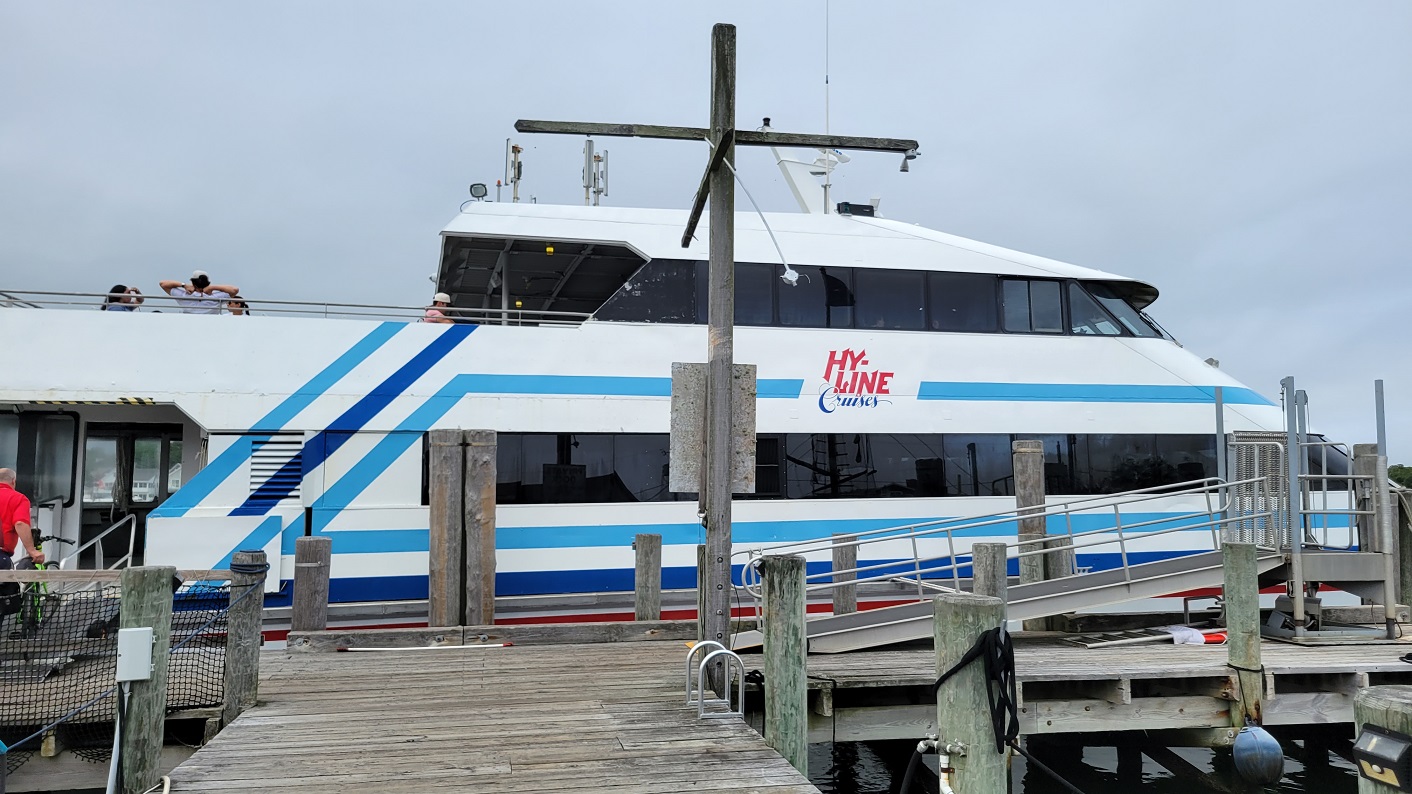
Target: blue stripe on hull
x=1085, y=393
x=610, y=580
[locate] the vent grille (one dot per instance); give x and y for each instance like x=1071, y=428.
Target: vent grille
x=276, y=467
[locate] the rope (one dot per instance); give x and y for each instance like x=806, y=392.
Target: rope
x=997, y=654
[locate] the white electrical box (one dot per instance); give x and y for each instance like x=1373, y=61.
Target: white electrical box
x=134, y=654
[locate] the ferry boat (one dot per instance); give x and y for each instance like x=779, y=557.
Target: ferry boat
x=896, y=365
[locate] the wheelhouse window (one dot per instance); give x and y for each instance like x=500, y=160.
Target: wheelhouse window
x=1086, y=317
x=1032, y=306
x=1117, y=306
x=962, y=302
x=662, y=291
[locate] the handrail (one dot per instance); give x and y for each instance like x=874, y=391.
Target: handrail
x=96, y=542
x=1216, y=515
x=93, y=300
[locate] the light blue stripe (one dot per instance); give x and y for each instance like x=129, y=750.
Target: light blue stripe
x=377, y=541
x=606, y=386
x=258, y=537
x=209, y=478
x=779, y=389
x=1085, y=392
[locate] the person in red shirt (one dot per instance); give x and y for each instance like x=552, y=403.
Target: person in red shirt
x=14, y=522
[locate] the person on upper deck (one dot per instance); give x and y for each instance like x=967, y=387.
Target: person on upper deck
x=122, y=298
x=237, y=306
x=436, y=313
x=199, y=296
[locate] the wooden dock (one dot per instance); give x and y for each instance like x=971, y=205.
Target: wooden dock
x=1066, y=689
x=485, y=719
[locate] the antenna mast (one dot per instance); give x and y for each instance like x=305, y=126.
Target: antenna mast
x=514, y=169
x=828, y=162
x=595, y=174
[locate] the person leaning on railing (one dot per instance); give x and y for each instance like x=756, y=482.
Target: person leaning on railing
x=122, y=298
x=199, y=296
x=436, y=313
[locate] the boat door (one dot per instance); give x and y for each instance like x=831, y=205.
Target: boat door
x=128, y=469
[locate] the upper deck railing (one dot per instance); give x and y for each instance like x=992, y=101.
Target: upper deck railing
x=92, y=301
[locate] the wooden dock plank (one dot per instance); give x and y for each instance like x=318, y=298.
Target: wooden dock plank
x=519, y=719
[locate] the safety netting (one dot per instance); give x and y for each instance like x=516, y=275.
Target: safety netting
x=58, y=663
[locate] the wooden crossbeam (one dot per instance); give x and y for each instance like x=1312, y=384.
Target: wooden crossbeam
x=718, y=157
x=742, y=137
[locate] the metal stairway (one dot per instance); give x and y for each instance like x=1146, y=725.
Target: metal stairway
x=905, y=622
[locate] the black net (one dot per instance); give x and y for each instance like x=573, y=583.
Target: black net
x=58, y=658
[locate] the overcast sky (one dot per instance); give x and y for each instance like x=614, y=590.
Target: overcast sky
x=1250, y=159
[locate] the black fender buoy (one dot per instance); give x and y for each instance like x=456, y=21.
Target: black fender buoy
x=1258, y=758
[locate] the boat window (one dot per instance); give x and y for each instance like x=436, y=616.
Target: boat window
x=1130, y=318
x=754, y=293
x=662, y=291
x=563, y=468
x=838, y=289
x=100, y=470
x=559, y=468
x=1033, y=306
x=804, y=305
x=890, y=299
x=1086, y=317
x=41, y=448
x=146, y=465
x=962, y=302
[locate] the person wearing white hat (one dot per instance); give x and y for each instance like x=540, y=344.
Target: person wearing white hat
x=199, y=296
x=436, y=313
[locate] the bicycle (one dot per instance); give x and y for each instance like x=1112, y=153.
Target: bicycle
x=35, y=596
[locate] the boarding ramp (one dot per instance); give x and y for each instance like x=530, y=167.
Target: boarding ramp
x=1253, y=507
x=941, y=558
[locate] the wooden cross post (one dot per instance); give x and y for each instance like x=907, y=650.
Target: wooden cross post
x=718, y=183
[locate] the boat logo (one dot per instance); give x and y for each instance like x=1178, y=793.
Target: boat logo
x=849, y=384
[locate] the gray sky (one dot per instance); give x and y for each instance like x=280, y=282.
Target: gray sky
x=1250, y=159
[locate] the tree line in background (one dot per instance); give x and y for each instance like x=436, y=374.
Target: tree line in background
x=1402, y=475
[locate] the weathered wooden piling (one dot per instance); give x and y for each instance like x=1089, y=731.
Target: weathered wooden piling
x=1028, y=461
x=311, y=575
x=845, y=558
x=962, y=706
x=647, y=577
x=1388, y=707
x=146, y=601
x=988, y=573
x=461, y=493
x=243, y=624
x=446, y=469
x=478, y=525
x=1242, y=602
x=785, y=651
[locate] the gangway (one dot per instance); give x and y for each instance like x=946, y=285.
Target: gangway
x=1255, y=508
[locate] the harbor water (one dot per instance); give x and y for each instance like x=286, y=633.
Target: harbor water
x=878, y=768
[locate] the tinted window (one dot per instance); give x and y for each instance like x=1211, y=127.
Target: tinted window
x=1033, y=306
x=1016, y=297
x=1130, y=318
x=1086, y=317
x=662, y=291
x=962, y=302
x=1059, y=463
x=805, y=304
x=838, y=296
x=754, y=294
x=889, y=299
x=1046, y=308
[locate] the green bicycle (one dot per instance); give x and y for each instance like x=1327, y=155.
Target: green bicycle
x=34, y=597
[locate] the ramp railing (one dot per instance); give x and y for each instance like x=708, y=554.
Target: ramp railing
x=931, y=555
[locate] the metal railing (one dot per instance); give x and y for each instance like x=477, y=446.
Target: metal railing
x=1322, y=513
x=39, y=299
x=96, y=543
x=1220, y=512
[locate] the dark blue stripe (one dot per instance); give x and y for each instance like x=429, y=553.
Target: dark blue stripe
x=205, y=481
x=327, y=442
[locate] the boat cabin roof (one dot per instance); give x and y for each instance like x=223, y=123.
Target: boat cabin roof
x=573, y=258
